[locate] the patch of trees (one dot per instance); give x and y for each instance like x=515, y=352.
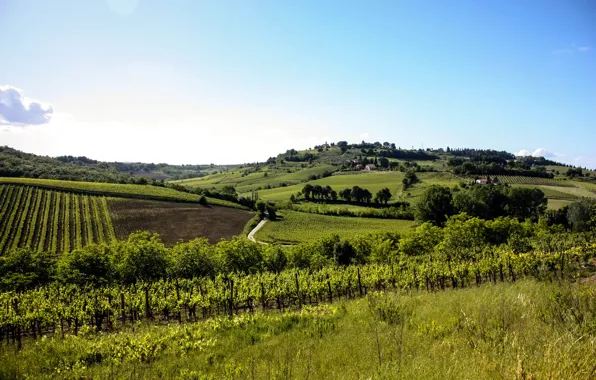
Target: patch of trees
x=409, y=179
x=420, y=154
x=461, y=167
x=143, y=257
x=574, y=172
x=485, y=202
x=292, y=155
x=471, y=153
x=577, y=216
x=354, y=195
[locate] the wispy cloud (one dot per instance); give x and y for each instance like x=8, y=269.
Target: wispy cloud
x=563, y=51
x=572, y=49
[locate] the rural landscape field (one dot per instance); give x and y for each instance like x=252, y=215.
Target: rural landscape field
x=218, y=189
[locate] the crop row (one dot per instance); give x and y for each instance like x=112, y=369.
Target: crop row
x=53, y=221
x=521, y=180
x=59, y=308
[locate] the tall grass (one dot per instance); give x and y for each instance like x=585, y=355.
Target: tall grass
x=519, y=330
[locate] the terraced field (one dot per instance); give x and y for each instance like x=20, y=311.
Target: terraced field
x=296, y=227
x=115, y=190
x=51, y=221
x=257, y=180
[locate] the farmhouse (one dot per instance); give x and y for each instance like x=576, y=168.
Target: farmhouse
x=482, y=181
x=359, y=167
x=370, y=167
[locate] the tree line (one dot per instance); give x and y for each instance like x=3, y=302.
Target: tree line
x=143, y=257
x=355, y=194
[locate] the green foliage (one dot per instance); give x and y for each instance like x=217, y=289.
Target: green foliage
x=143, y=257
x=239, y=255
x=196, y=258
x=581, y=215
x=24, y=268
x=436, y=205
x=89, y=265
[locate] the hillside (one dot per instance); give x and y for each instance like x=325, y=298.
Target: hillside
x=58, y=217
x=14, y=163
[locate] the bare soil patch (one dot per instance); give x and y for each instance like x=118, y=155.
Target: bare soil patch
x=175, y=221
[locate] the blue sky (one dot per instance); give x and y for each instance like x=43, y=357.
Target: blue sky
x=238, y=81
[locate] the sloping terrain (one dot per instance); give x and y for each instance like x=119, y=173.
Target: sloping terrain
x=175, y=221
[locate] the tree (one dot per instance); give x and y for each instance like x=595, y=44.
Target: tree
x=436, y=205
x=239, y=255
x=143, y=257
x=89, y=265
x=23, y=268
x=195, y=258
x=409, y=179
x=581, y=214
x=526, y=203
x=275, y=259
x=383, y=162
x=346, y=194
x=383, y=196
x=307, y=191
x=366, y=195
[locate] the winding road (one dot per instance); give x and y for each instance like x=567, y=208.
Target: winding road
x=251, y=234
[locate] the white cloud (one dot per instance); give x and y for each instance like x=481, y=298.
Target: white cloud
x=17, y=109
x=364, y=135
x=523, y=153
x=540, y=152
x=583, y=49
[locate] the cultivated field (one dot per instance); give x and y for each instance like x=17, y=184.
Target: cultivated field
x=115, y=190
x=520, y=180
x=51, y=221
x=373, y=181
x=246, y=179
x=297, y=227
x=175, y=221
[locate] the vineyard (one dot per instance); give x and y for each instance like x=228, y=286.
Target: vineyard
x=60, y=309
x=51, y=221
x=520, y=180
x=116, y=190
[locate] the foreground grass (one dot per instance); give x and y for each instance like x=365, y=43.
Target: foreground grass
x=523, y=330
x=117, y=190
x=298, y=227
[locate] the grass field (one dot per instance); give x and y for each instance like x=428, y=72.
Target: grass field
x=175, y=221
x=556, y=204
x=373, y=181
x=296, y=227
x=521, y=330
x=115, y=190
x=51, y=221
x=272, y=175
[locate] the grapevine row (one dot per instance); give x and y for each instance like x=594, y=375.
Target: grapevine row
x=66, y=308
x=52, y=221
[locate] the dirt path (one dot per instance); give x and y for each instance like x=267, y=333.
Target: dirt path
x=251, y=234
